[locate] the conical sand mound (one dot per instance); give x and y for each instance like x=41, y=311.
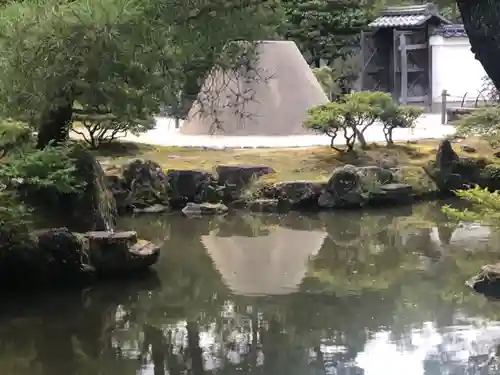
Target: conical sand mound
x=267, y=265
x=280, y=97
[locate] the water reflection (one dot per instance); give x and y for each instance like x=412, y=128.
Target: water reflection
x=269, y=260
x=337, y=293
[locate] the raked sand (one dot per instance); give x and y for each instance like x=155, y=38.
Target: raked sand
x=165, y=134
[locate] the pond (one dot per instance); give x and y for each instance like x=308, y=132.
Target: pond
x=375, y=293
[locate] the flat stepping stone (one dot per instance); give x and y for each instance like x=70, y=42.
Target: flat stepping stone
x=144, y=248
x=204, y=209
x=112, y=236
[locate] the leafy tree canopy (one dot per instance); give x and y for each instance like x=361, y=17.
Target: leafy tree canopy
x=325, y=30
x=123, y=57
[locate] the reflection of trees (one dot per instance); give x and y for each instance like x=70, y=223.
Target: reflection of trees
x=376, y=270
x=67, y=334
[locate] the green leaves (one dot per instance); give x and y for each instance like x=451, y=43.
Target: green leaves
x=127, y=56
x=483, y=121
x=325, y=30
x=357, y=111
x=485, y=207
x=51, y=167
x=326, y=117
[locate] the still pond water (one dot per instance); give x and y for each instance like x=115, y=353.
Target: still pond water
x=375, y=293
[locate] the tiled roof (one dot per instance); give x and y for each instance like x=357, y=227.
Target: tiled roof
x=407, y=16
x=399, y=21
x=451, y=31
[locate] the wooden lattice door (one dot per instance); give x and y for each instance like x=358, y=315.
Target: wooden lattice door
x=411, y=67
x=374, y=75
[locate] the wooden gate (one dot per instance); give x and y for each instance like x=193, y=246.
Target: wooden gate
x=374, y=73
x=411, y=67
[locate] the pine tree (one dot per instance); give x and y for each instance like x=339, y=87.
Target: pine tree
x=124, y=57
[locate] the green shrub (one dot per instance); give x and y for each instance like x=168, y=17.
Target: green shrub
x=355, y=113
x=338, y=79
x=28, y=173
x=398, y=116
x=15, y=137
x=485, y=207
x=51, y=167
x=483, y=122
x=330, y=119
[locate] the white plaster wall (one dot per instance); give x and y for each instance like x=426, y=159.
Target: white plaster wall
x=455, y=69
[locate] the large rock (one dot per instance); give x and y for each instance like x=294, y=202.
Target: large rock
x=422, y=184
x=344, y=189
x=241, y=175
x=397, y=193
x=114, y=253
x=65, y=252
x=91, y=208
x=63, y=257
x=188, y=185
x=446, y=157
x=452, y=172
x=351, y=187
x=121, y=192
x=43, y=257
x=95, y=209
x=487, y=281
x=146, y=185
x=490, y=176
x=299, y=194
x=264, y=205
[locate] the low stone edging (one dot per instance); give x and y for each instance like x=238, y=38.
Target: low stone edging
x=144, y=187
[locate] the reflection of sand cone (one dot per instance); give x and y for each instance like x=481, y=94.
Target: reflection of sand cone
x=466, y=236
x=285, y=90
x=273, y=264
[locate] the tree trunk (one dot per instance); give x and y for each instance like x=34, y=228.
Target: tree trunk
x=55, y=125
x=481, y=20
x=195, y=352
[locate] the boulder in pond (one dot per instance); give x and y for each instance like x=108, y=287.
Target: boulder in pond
x=375, y=174
x=446, y=157
x=146, y=183
x=344, y=189
x=204, y=209
x=267, y=205
x=452, y=172
x=487, y=281
x=188, y=185
x=299, y=194
x=350, y=186
x=241, y=175
x=397, y=193
x=114, y=253
x=422, y=184
x=45, y=256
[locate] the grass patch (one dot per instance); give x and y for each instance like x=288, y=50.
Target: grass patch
x=300, y=163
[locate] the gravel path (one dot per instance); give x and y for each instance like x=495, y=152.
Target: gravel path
x=428, y=126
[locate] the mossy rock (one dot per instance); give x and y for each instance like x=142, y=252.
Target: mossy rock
x=93, y=207
x=490, y=177
x=421, y=180
x=487, y=281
